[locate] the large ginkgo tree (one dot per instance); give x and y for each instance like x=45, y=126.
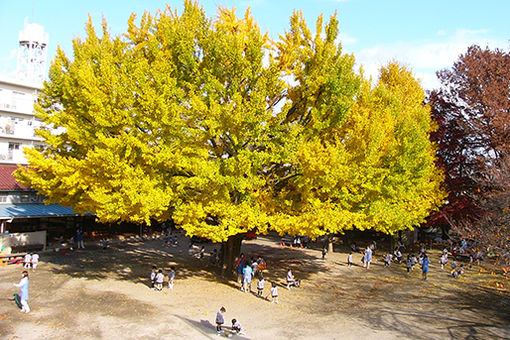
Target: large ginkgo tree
x=210, y=123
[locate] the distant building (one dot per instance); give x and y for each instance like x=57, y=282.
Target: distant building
x=22, y=209
x=17, y=120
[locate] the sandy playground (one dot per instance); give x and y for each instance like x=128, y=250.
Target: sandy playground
x=105, y=294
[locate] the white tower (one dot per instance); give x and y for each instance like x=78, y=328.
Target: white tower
x=32, y=53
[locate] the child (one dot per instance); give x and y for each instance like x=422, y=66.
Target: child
x=237, y=327
x=153, y=276
x=202, y=252
x=398, y=255
x=460, y=271
x=23, y=292
x=414, y=261
x=409, y=263
x=454, y=267
x=425, y=266
x=104, y=242
x=349, y=259
x=35, y=260
x=159, y=280
x=171, y=277
x=368, y=258
x=443, y=261
x=260, y=284
x=324, y=252
x=274, y=293
x=27, y=260
x=387, y=260
x=254, y=266
x=247, y=276
x=71, y=243
x=290, y=279
x=220, y=320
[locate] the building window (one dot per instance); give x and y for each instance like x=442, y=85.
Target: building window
x=3, y=198
x=14, y=146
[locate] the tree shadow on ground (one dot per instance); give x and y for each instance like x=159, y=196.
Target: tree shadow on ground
x=65, y=313
x=132, y=261
x=392, y=300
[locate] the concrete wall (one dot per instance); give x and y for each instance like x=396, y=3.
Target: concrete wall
x=23, y=239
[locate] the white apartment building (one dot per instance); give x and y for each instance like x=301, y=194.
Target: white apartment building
x=22, y=209
x=17, y=96
x=17, y=120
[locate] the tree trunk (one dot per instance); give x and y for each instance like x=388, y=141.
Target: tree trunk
x=392, y=243
x=229, y=251
x=328, y=244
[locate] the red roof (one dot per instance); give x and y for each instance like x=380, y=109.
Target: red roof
x=7, y=181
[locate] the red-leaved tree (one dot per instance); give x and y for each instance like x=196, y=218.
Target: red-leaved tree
x=472, y=110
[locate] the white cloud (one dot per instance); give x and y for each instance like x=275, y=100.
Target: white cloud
x=347, y=39
x=425, y=58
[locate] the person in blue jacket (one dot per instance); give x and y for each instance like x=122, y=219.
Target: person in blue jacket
x=239, y=269
x=23, y=292
x=425, y=266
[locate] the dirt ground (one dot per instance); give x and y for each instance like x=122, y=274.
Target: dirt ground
x=104, y=294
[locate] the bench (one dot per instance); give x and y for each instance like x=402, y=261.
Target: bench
x=286, y=241
x=289, y=241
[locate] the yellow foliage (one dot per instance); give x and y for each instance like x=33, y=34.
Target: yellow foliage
x=180, y=118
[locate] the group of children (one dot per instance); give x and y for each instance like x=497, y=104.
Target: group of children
x=422, y=259
x=30, y=261
x=157, y=278
x=246, y=271
x=396, y=256
x=220, y=320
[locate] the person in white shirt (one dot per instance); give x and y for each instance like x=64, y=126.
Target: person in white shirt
x=27, y=261
x=274, y=293
x=260, y=284
x=237, y=327
x=154, y=272
x=159, y=280
x=290, y=279
x=35, y=260
x=23, y=292
x=349, y=260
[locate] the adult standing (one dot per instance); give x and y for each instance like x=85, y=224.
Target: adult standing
x=239, y=269
x=261, y=264
x=368, y=257
x=23, y=292
x=425, y=266
x=79, y=238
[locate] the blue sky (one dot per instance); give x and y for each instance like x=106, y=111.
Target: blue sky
x=424, y=35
